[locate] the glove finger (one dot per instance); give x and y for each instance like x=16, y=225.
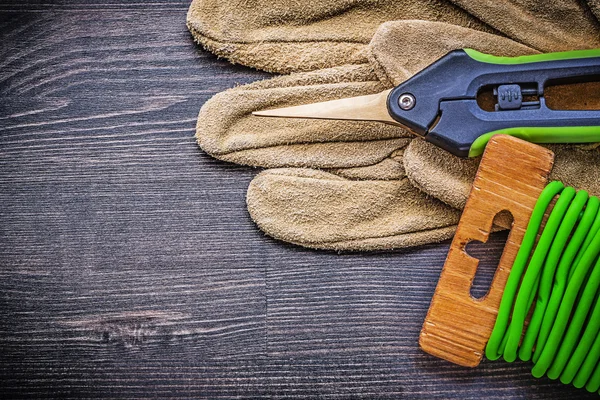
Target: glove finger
x=288, y=36
x=449, y=178
x=553, y=25
x=322, y=210
x=400, y=49
x=391, y=168
x=227, y=130
x=439, y=173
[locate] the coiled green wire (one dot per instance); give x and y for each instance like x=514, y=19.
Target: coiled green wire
x=561, y=281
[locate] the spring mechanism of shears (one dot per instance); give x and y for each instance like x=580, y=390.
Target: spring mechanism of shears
x=558, y=288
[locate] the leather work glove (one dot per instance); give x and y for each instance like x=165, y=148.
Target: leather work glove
x=288, y=35
x=335, y=184
x=348, y=188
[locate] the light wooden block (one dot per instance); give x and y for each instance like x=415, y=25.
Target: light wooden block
x=511, y=176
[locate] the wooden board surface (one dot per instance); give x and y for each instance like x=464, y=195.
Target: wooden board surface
x=511, y=177
x=129, y=265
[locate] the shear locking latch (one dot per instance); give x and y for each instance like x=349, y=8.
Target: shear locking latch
x=510, y=97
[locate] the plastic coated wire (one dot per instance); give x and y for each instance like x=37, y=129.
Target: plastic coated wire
x=558, y=286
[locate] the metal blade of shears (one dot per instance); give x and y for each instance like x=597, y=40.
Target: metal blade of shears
x=361, y=108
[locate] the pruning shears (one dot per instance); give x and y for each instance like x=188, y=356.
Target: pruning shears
x=440, y=103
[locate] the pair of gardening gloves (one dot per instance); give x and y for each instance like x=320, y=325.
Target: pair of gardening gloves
x=349, y=185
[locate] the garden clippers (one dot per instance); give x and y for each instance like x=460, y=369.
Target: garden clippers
x=440, y=103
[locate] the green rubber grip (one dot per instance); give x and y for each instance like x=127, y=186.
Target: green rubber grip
x=561, y=55
x=554, y=134
x=568, y=134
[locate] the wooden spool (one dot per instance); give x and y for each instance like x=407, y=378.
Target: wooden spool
x=511, y=176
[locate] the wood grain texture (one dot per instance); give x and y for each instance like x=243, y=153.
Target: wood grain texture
x=510, y=178
x=129, y=266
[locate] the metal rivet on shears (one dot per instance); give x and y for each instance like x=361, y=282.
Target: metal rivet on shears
x=406, y=101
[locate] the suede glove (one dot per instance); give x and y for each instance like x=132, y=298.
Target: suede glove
x=288, y=35
x=352, y=191
x=336, y=184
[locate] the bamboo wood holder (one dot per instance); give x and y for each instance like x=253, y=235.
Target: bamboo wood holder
x=511, y=176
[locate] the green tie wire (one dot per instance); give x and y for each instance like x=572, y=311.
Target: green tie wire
x=558, y=286
x=562, y=273
x=515, y=330
x=492, y=350
x=564, y=312
x=547, y=280
x=586, y=355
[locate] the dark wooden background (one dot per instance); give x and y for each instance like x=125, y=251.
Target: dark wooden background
x=129, y=265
